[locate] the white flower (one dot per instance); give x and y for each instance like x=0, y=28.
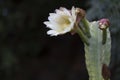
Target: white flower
x=61, y=22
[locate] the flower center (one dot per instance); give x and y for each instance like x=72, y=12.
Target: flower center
x=63, y=22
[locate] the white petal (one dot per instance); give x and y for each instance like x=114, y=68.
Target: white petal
x=52, y=16
x=52, y=33
x=73, y=11
x=67, y=12
x=59, y=11
x=49, y=25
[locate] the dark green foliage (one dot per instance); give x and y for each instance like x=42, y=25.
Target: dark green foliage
x=109, y=9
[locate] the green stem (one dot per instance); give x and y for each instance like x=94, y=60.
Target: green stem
x=81, y=34
x=86, y=25
x=104, y=36
x=82, y=29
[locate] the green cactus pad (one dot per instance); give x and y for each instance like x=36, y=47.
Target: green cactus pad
x=96, y=53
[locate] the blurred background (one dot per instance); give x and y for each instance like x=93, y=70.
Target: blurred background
x=28, y=53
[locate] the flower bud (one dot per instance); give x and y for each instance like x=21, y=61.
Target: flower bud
x=104, y=24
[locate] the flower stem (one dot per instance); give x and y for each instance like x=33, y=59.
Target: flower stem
x=81, y=34
x=104, y=35
x=86, y=25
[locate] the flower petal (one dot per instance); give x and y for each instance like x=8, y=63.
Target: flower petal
x=73, y=11
x=50, y=25
x=52, y=33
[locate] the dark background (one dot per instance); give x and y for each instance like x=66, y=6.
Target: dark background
x=28, y=53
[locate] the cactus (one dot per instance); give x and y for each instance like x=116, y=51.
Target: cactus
x=97, y=49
